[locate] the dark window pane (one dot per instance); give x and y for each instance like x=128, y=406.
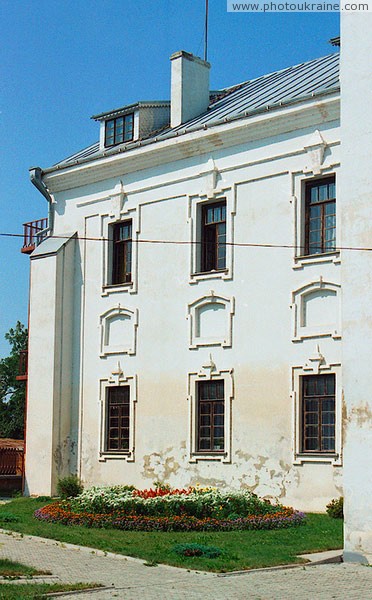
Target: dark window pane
x=119, y=130
x=118, y=418
x=318, y=413
x=213, y=237
x=311, y=444
x=320, y=214
x=122, y=253
x=323, y=192
x=311, y=405
x=314, y=194
x=210, y=415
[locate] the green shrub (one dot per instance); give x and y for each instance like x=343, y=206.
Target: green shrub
x=69, y=487
x=197, y=550
x=335, y=508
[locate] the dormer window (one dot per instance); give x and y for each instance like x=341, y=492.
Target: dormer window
x=119, y=130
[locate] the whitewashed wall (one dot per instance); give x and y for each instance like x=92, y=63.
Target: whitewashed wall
x=356, y=218
x=266, y=351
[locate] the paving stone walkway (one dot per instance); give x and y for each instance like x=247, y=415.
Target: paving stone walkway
x=130, y=579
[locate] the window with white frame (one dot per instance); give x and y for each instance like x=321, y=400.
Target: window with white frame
x=210, y=403
x=121, y=252
x=213, y=237
x=120, y=230
x=211, y=416
x=317, y=407
x=211, y=221
x=320, y=216
x=318, y=414
x=315, y=220
x=118, y=400
x=117, y=418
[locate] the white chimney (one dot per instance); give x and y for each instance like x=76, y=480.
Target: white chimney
x=189, y=87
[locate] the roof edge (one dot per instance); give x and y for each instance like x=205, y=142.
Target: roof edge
x=130, y=107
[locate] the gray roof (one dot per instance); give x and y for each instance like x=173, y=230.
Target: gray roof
x=130, y=107
x=293, y=84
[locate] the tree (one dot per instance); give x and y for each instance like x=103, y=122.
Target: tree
x=13, y=392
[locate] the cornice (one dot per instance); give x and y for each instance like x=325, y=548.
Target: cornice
x=274, y=122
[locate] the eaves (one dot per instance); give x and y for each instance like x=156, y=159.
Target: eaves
x=153, y=152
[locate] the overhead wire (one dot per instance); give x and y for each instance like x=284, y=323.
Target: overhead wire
x=193, y=242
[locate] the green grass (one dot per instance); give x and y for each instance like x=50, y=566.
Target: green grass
x=241, y=549
x=8, y=568
x=37, y=591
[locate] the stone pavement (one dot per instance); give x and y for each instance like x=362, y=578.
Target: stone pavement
x=130, y=579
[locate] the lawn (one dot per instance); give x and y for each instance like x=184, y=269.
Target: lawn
x=37, y=591
x=8, y=568
x=240, y=549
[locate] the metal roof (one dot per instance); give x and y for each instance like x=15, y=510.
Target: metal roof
x=130, y=108
x=293, y=84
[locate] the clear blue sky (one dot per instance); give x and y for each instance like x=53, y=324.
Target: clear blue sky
x=63, y=61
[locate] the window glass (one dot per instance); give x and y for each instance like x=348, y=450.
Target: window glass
x=213, y=237
x=320, y=216
x=211, y=416
x=122, y=253
x=119, y=130
x=117, y=438
x=318, y=413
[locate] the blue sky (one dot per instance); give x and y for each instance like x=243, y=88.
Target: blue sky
x=63, y=61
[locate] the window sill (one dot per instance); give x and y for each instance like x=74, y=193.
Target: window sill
x=205, y=275
x=120, y=455
x=210, y=344
x=317, y=457
x=317, y=334
x=117, y=287
x=314, y=259
x=219, y=456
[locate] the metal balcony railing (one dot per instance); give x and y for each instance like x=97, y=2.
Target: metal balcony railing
x=33, y=234
x=11, y=462
x=22, y=366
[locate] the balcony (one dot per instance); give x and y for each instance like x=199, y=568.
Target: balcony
x=22, y=366
x=33, y=234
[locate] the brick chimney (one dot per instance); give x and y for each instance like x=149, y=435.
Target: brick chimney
x=189, y=87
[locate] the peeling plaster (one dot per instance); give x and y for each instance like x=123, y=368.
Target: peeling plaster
x=160, y=467
x=361, y=415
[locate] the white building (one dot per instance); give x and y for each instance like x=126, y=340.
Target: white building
x=356, y=232
x=185, y=320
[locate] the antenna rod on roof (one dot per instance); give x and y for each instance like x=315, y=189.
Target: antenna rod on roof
x=206, y=32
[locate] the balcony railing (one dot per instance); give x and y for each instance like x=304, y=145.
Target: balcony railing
x=11, y=462
x=22, y=366
x=33, y=234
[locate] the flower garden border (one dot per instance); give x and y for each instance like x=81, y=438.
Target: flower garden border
x=60, y=512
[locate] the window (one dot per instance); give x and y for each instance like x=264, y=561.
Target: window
x=318, y=413
x=211, y=421
x=117, y=438
x=119, y=130
x=320, y=216
x=213, y=237
x=122, y=253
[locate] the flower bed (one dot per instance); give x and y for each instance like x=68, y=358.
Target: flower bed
x=193, y=501
x=62, y=513
x=163, y=509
